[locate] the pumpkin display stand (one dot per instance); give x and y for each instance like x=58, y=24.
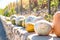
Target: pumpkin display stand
x=56, y=23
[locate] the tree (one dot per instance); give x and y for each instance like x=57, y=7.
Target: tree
x=9, y=12
x=1, y=11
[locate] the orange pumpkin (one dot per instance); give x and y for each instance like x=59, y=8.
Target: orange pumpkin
x=56, y=23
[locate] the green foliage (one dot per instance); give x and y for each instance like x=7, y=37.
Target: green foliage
x=1, y=11
x=6, y=14
x=54, y=3
x=10, y=12
x=49, y=17
x=41, y=2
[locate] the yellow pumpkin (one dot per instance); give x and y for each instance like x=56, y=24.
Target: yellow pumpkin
x=29, y=27
x=29, y=23
x=56, y=23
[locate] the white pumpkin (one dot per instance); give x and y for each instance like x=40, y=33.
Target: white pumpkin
x=29, y=23
x=20, y=21
x=30, y=18
x=39, y=18
x=42, y=27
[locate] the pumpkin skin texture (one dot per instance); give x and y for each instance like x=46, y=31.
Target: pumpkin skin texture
x=20, y=21
x=30, y=18
x=29, y=27
x=13, y=19
x=56, y=23
x=13, y=16
x=29, y=23
x=42, y=27
x=39, y=18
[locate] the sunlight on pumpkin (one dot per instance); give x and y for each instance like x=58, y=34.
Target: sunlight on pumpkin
x=29, y=27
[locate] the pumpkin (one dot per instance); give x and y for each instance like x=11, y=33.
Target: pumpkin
x=56, y=23
x=30, y=18
x=29, y=27
x=20, y=21
x=42, y=27
x=29, y=23
x=13, y=19
x=39, y=18
x=13, y=16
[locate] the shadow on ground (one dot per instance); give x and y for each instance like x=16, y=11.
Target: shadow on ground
x=2, y=32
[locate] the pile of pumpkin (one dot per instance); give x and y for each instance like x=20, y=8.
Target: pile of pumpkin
x=38, y=24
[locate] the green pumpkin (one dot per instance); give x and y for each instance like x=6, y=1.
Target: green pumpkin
x=13, y=21
x=20, y=21
x=13, y=16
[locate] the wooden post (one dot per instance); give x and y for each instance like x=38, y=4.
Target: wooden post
x=17, y=6
x=58, y=6
x=21, y=7
x=49, y=11
x=30, y=6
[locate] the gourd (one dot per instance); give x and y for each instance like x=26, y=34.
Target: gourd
x=13, y=19
x=29, y=23
x=20, y=21
x=42, y=27
x=56, y=23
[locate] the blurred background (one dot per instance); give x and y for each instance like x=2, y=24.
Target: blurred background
x=44, y=8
